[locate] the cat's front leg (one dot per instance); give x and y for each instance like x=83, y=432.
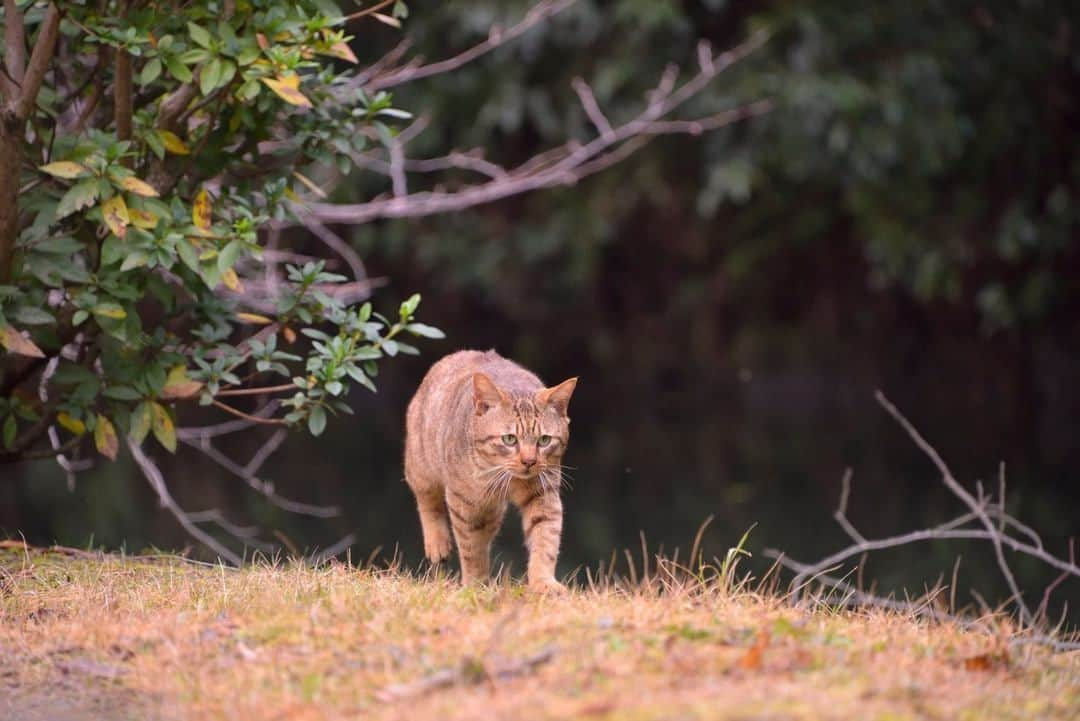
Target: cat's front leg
x=475, y=525
x=541, y=519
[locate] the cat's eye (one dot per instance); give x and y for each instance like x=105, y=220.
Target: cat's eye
x=543, y=441
x=509, y=439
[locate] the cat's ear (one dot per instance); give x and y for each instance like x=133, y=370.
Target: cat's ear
x=557, y=396
x=485, y=393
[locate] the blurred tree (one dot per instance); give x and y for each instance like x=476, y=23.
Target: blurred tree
x=928, y=147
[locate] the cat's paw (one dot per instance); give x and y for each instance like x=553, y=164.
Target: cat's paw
x=438, y=547
x=548, y=586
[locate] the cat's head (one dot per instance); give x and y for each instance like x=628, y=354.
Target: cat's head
x=524, y=434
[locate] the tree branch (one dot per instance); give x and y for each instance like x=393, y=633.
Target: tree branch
x=982, y=511
x=416, y=70
x=157, y=481
x=42, y=55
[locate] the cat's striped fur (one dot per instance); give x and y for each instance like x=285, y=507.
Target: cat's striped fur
x=483, y=432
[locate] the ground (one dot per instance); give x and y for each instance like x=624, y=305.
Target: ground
x=92, y=636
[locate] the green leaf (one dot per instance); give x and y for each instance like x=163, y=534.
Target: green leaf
x=317, y=420
x=11, y=427
x=210, y=76
x=134, y=259
x=141, y=420
x=199, y=35
x=150, y=72
x=122, y=393
x=163, y=427
x=427, y=331
x=409, y=306
x=178, y=70
x=105, y=438
x=229, y=254
x=109, y=310
x=30, y=315
x=79, y=196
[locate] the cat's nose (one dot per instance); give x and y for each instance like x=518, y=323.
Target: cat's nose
x=528, y=462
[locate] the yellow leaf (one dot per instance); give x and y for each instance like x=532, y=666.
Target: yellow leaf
x=116, y=215
x=163, y=428
x=291, y=195
x=179, y=385
x=287, y=88
x=173, y=143
x=105, y=438
x=253, y=318
x=15, y=342
x=64, y=169
x=342, y=51
x=72, y=424
x=262, y=41
x=201, y=210
x=391, y=21
x=232, y=281
x=139, y=187
x=309, y=183
x=142, y=219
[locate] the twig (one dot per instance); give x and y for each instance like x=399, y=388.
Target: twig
x=466, y=673
x=841, y=510
x=566, y=164
x=333, y=550
x=157, y=481
x=496, y=38
x=959, y=491
x=262, y=390
x=592, y=109
x=248, y=416
x=264, y=487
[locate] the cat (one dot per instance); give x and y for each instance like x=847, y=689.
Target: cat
x=482, y=432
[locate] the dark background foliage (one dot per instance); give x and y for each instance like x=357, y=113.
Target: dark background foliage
x=905, y=219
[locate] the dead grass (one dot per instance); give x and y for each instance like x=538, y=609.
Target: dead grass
x=85, y=636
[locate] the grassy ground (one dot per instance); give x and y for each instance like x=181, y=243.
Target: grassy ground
x=87, y=637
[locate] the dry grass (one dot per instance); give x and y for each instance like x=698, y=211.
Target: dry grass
x=85, y=636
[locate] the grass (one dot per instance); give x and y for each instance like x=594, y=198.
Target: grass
x=88, y=636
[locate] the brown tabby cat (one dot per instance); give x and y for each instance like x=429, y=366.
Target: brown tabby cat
x=482, y=431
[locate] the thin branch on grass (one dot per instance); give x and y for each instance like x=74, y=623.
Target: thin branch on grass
x=471, y=671
x=983, y=512
x=157, y=481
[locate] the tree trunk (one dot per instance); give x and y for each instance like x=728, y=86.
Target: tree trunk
x=9, y=192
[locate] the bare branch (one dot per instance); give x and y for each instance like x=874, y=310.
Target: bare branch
x=333, y=550
x=221, y=429
x=982, y=511
x=841, y=510
x=248, y=417
x=496, y=38
x=265, y=451
x=40, y=59
x=266, y=488
x=337, y=244
x=157, y=481
x=592, y=109
x=960, y=492
x=568, y=163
